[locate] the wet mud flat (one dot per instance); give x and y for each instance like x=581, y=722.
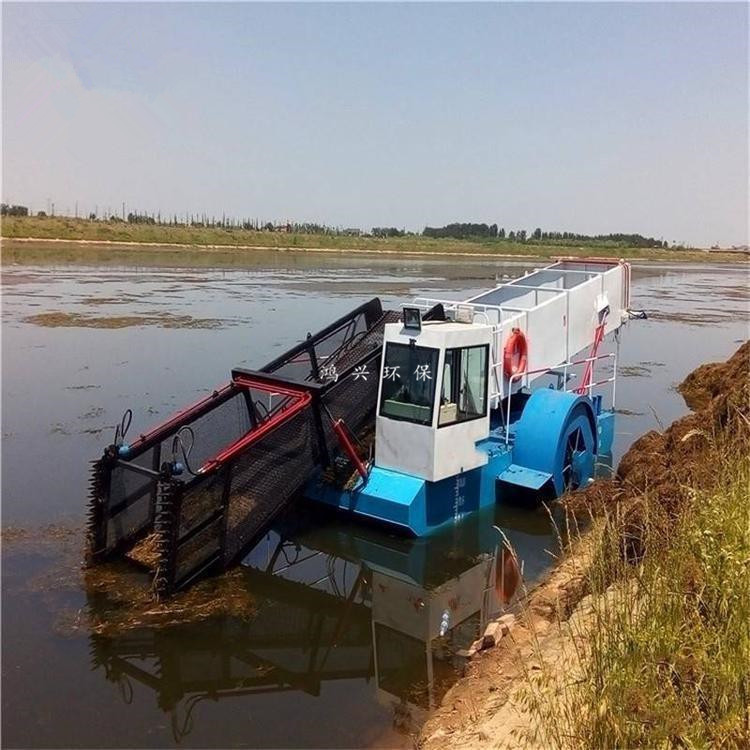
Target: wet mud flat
x=486, y=708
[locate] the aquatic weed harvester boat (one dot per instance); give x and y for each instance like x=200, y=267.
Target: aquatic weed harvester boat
x=413, y=418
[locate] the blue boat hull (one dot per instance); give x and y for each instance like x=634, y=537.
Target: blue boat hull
x=530, y=464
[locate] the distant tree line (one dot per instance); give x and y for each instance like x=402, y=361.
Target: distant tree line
x=388, y=232
x=13, y=210
x=224, y=222
x=464, y=230
x=229, y=223
x=455, y=230
x=140, y=219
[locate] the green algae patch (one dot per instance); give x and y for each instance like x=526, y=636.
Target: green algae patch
x=82, y=320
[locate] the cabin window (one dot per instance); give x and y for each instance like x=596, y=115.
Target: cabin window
x=463, y=394
x=409, y=381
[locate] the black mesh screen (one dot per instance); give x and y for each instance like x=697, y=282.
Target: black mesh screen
x=297, y=367
x=213, y=517
x=126, y=484
x=215, y=430
x=129, y=505
x=129, y=523
x=353, y=399
x=200, y=500
x=265, y=477
x=220, y=521
x=217, y=427
x=200, y=548
x=372, y=342
x=315, y=358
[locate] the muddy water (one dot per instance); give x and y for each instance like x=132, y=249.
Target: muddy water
x=340, y=645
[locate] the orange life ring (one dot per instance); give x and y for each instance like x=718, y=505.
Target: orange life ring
x=507, y=573
x=515, y=353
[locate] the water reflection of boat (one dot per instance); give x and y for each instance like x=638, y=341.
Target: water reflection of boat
x=332, y=605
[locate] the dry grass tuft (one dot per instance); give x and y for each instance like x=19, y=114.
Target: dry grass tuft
x=662, y=643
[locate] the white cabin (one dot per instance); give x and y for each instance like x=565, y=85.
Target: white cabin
x=433, y=404
x=440, y=379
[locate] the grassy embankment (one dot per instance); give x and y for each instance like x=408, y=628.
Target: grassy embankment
x=638, y=637
x=76, y=230
x=661, y=646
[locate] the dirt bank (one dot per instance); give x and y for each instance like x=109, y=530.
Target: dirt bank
x=18, y=249
x=486, y=708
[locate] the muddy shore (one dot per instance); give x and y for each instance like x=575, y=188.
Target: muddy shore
x=485, y=708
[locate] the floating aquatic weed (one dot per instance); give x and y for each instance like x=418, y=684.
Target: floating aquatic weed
x=119, y=594
x=696, y=319
x=121, y=599
x=92, y=413
x=79, y=320
x=42, y=537
x=106, y=300
x=633, y=371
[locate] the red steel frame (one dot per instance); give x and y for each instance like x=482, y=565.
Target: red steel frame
x=298, y=400
x=164, y=429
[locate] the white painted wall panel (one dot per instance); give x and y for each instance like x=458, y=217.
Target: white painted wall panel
x=613, y=282
x=455, y=448
x=405, y=447
x=546, y=333
x=582, y=318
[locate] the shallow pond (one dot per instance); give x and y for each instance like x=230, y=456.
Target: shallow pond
x=341, y=648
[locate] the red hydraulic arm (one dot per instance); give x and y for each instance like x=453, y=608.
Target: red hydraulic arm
x=341, y=433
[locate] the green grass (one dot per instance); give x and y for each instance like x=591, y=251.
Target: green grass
x=662, y=657
x=63, y=228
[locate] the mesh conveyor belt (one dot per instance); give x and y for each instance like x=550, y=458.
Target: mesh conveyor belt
x=208, y=521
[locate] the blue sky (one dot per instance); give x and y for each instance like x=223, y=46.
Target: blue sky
x=595, y=118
